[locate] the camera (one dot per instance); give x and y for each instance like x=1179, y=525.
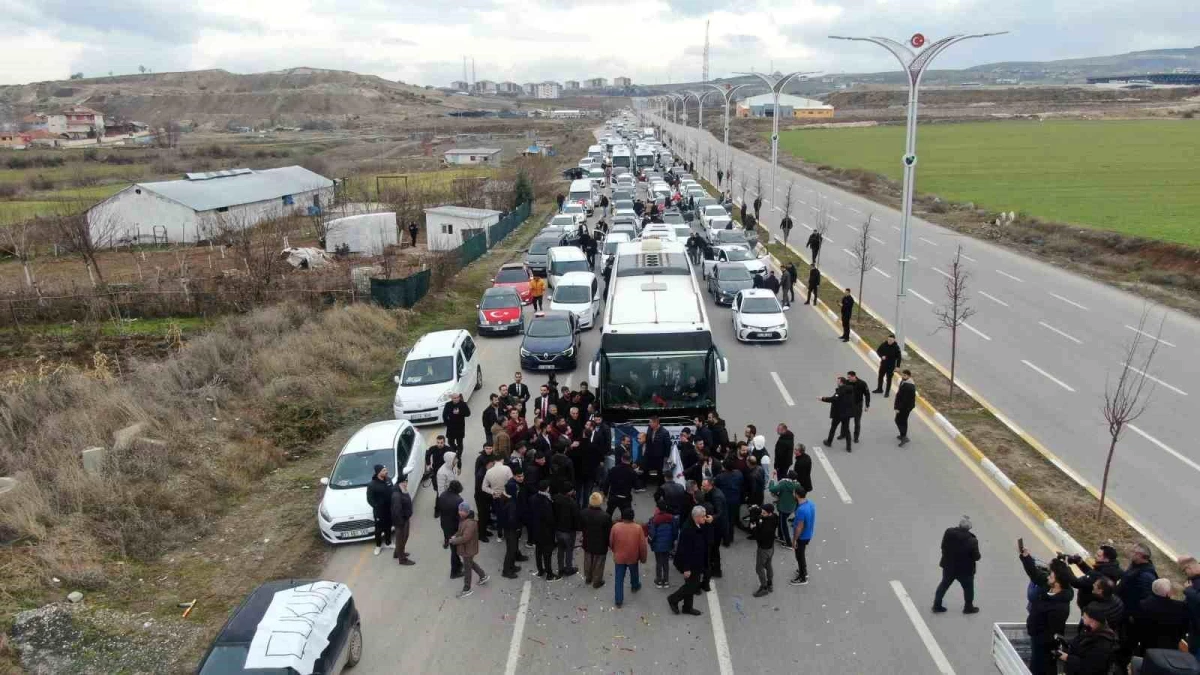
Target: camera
x=754, y=514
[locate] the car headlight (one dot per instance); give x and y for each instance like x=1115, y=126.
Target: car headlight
x=526, y=352
x=483, y=319
x=444, y=397
x=324, y=514
x=570, y=352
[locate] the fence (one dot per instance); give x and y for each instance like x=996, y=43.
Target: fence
x=400, y=292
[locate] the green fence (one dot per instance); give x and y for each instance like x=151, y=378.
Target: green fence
x=470, y=250
x=507, y=224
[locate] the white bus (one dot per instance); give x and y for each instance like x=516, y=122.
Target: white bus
x=657, y=355
x=644, y=156
x=596, y=152
x=622, y=158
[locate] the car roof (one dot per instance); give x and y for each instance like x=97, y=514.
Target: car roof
x=613, y=236
x=566, y=252
x=437, y=343
x=757, y=293
x=577, y=279
x=513, y=266
x=556, y=315
x=731, y=266
x=240, y=627
x=500, y=290
x=374, y=436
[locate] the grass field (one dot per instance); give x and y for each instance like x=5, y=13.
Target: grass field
x=1139, y=177
x=442, y=178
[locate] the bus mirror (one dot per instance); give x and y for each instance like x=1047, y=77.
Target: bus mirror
x=594, y=375
x=722, y=370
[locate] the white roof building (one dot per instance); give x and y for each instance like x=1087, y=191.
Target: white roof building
x=467, y=156
x=447, y=227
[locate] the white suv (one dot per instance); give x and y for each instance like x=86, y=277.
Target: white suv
x=440, y=364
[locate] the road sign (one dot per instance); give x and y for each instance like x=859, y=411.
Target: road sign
x=917, y=40
x=910, y=160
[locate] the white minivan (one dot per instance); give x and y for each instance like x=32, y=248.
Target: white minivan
x=563, y=259
x=596, y=152
x=583, y=191
x=442, y=363
x=578, y=293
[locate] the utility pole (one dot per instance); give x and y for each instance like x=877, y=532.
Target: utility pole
x=776, y=85
x=704, y=73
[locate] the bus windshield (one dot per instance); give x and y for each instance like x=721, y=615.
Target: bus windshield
x=658, y=381
x=644, y=160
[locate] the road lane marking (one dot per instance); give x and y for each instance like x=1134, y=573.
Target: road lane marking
x=877, y=239
x=807, y=225
x=720, y=641
x=514, y=646
x=1156, y=339
x=833, y=477
x=856, y=210
x=969, y=257
x=1002, y=272
x=941, y=272
x=925, y=299
x=1165, y=447
x=833, y=218
x=976, y=331
x=827, y=239
x=779, y=209
x=850, y=253
x=802, y=202
x=787, y=398
x=931, y=243
x=1152, y=378
x=993, y=299
x=1050, y=377
x=897, y=229
x=1069, y=302
x=1070, y=337
x=851, y=227
x=931, y=645
x=882, y=272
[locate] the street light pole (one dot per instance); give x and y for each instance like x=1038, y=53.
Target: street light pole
x=776, y=86
x=727, y=93
x=914, y=64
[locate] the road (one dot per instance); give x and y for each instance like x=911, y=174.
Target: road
x=876, y=549
x=1041, y=347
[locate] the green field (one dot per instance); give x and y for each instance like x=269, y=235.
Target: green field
x=1139, y=177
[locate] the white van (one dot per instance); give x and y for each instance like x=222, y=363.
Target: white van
x=578, y=293
x=583, y=191
x=596, y=152
x=440, y=364
x=563, y=259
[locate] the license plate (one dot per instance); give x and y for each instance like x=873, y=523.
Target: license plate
x=354, y=534
x=550, y=367
x=762, y=335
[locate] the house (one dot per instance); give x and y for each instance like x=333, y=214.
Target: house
x=596, y=83
x=796, y=107
x=446, y=227
x=549, y=90
x=76, y=122
x=11, y=139
x=470, y=156
x=622, y=82
x=571, y=85
x=459, y=85
x=200, y=206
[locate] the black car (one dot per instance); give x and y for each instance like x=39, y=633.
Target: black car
x=551, y=342
x=726, y=280
x=747, y=238
x=574, y=173
x=274, y=640
x=499, y=312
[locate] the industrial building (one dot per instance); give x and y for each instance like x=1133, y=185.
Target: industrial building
x=472, y=156
x=796, y=107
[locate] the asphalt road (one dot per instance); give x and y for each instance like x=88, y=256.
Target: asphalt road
x=1041, y=347
x=876, y=546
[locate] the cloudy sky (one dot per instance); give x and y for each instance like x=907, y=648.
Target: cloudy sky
x=424, y=41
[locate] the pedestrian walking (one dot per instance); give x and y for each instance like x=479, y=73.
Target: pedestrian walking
x=814, y=244
x=691, y=560
x=841, y=409
x=764, y=532
x=960, y=552
x=862, y=400
x=811, y=294
x=604, y=204
x=786, y=283
x=466, y=542
x=720, y=177
x=628, y=543
x=412, y=234
x=757, y=208
x=906, y=400
x=786, y=226
x=402, y=511
x=620, y=482
x=889, y=360
x=847, y=312
x=537, y=289
x=379, y=498
x=566, y=524
x=448, y=503
x=541, y=518
x=1049, y=603
x=560, y=199
x=802, y=534
x=595, y=525
x=454, y=415
x=662, y=529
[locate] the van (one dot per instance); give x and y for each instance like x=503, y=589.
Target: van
x=596, y=152
x=578, y=293
x=440, y=364
x=563, y=259
x=583, y=191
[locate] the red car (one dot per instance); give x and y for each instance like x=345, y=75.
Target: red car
x=515, y=276
x=500, y=312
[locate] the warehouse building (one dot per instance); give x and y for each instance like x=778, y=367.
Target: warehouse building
x=796, y=107
x=472, y=156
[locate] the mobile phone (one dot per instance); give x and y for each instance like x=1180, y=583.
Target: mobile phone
x=1020, y=544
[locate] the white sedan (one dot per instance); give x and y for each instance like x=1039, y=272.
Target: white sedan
x=758, y=317
x=734, y=253
x=710, y=212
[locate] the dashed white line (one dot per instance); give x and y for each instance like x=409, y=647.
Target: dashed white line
x=1152, y=337
x=856, y=210
x=828, y=240
x=720, y=641
x=850, y=253
x=833, y=477
x=833, y=218
x=1003, y=273
x=1070, y=337
x=882, y=272
x=878, y=240
x=976, y=331
x=1050, y=377
x=1069, y=302
x=993, y=299
x=1152, y=378
x=807, y=225
x=1165, y=447
x=787, y=398
x=514, y=647
x=931, y=645
x=851, y=227
x=931, y=243
x=897, y=229
x=802, y=202
x=941, y=272
x=964, y=255
x=923, y=298
x=778, y=209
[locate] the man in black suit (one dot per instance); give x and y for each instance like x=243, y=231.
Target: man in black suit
x=491, y=415
x=841, y=409
x=541, y=404
x=519, y=391
x=906, y=400
x=889, y=360
x=847, y=312
x=862, y=400
x=454, y=416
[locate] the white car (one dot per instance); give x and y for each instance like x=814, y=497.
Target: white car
x=630, y=213
x=441, y=363
x=578, y=293
x=719, y=223
x=610, y=246
x=564, y=220
x=344, y=515
x=576, y=211
x=597, y=176
x=758, y=317
x=735, y=253
x=587, y=163
x=659, y=231
x=711, y=212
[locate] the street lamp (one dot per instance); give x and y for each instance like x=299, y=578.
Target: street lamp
x=914, y=64
x=776, y=85
x=727, y=93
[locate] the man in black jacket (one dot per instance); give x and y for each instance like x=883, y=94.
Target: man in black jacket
x=620, y=484
x=763, y=534
x=906, y=400
x=379, y=497
x=757, y=207
x=508, y=519
x=492, y=415
x=1106, y=567
x=566, y=524
x=1093, y=649
x=541, y=405
x=960, y=552
x=718, y=508
x=847, y=312
x=889, y=360
x=862, y=400
x=784, y=446
x=519, y=391
x=1049, y=608
x=691, y=559
x=802, y=467
x=541, y=518
x=814, y=283
x=1160, y=622
x=814, y=244
x=402, y=510
x=841, y=409
x=656, y=451
x=595, y=524
x=454, y=416
x=448, y=503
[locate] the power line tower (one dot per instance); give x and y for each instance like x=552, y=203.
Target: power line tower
x=704, y=74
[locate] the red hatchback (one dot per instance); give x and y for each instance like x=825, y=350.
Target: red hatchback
x=515, y=276
x=500, y=312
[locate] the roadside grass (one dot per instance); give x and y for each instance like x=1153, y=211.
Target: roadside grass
x=140, y=327
x=1136, y=177
x=442, y=179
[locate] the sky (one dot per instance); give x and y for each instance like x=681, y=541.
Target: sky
x=650, y=41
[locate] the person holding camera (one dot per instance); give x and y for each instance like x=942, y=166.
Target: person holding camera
x=1049, y=606
x=1092, y=650
x=1105, y=567
x=764, y=524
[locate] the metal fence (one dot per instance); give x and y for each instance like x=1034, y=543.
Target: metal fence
x=400, y=292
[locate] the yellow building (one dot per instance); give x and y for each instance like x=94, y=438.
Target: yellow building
x=796, y=107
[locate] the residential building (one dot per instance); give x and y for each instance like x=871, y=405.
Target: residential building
x=484, y=87
x=459, y=85
x=530, y=88
x=447, y=227
x=508, y=88
x=468, y=156
x=622, y=82
x=11, y=139
x=202, y=205
x=571, y=84
x=789, y=106
x=596, y=83
x=549, y=90
x=76, y=122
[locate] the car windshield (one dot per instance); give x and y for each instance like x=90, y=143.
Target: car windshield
x=673, y=217
x=560, y=267
x=738, y=255
x=660, y=381
x=732, y=237
x=707, y=201
x=498, y=300
x=433, y=370
x=760, y=306
x=715, y=211
x=355, y=469
x=610, y=244
x=733, y=273
x=573, y=208
x=225, y=659
x=563, y=220
x=550, y=326
x=572, y=295
x=623, y=204
x=511, y=275
x=540, y=246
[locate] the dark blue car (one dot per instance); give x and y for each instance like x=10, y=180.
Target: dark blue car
x=551, y=342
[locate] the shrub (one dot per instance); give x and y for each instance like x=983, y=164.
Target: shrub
x=40, y=182
x=9, y=190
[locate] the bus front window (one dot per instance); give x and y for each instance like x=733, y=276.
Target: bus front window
x=658, y=381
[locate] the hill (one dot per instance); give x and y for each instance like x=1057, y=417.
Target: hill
x=1131, y=63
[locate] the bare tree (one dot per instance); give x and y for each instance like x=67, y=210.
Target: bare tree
x=15, y=240
x=1127, y=398
x=957, y=309
x=820, y=225
x=864, y=258
x=87, y=233
x=258, y=245
x=787, y=213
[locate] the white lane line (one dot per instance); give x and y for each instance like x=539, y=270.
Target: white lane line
x=850, y=253
x=882, y=272
x=828, y=240
x=993, y=299
x=897, y=229
x=802, y=202
x=1002, y=272
x=1069, y=302
x=787, y=398
x=878, y=240
x=856, y=210
x=925, y=299
x=931, y=645
x=778, y=209
x=720, y=641
x=833, y=218
x=833, y=477
x=837, y=202
x=976, y=331
x=851, y=227
x=807, y=225
x=1156, y=339
x=931, y=243
x=1152, y=378
x=964, y=255
x=514, y=647
x=1050, y=377
x=1165, y=447
x=941, y=272
x=1070, y=337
